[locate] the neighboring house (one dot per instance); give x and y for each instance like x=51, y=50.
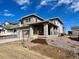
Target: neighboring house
x=75, y=30
x=34, y=26
x=8, y=28
x=1, y=30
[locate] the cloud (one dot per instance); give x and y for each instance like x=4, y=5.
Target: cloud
x=64, y=1
x=23, y=3
x=23, y=7
x=72, y=4
x=60, y=2
x=50, y=2
x=75, y=6
x=44, y=3
x=6, y=10
x=7, y=13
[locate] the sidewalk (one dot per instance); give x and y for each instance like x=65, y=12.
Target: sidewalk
x=8, y=40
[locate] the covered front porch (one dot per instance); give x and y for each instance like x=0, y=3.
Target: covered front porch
x=42, y=29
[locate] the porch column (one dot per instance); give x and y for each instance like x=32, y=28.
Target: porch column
x=58, y=31
x=46, y=30
x=21, y=34
x=31, y=31
x=52, y=31
x=55, y=31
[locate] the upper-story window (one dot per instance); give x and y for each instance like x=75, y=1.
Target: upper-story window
x=21, y=22
x=27, y=20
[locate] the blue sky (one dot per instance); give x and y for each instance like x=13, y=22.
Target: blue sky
x=67, y=10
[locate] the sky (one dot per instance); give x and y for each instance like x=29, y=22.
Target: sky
x=66, y=10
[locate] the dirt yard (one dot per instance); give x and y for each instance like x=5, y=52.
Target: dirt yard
x=52, y=51
x=15, y=50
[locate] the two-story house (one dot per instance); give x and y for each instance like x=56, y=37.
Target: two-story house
x=8, y=28
x=33, y=26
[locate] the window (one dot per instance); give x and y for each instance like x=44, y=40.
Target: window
x=21, y=22
x=27, y=20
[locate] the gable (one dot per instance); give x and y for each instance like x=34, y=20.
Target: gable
x=32, y=18
x=57, y=20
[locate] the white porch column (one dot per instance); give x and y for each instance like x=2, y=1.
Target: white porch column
x=21, y=34
x=46, y=30
x=31, y=31
x=52, y=31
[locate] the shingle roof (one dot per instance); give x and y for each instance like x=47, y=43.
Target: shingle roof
x=57, y=19
x=9, y=22
x=11, y=27
x=31, y=16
